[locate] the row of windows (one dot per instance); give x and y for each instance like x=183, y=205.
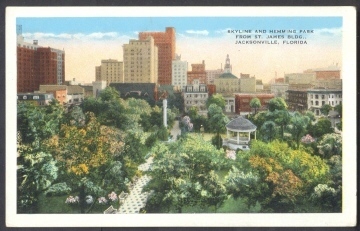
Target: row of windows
x=196, y=95
x=316, y=96
x=196, y=102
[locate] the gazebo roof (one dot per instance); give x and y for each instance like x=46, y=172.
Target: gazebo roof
x=240, y=124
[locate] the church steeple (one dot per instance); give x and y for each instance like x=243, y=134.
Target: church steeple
x=227, y=67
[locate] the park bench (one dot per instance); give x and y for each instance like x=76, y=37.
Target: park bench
x=110, y=210
x=122, y=197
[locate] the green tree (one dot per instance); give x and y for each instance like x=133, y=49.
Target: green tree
x=176, y=101
x=330, y=145
x=38, y=123
x=322, y=127
x=75, y=116
x=268, y=131
x=217, y=121
x=260, y=118
x=297, y=127
x=182, y=174
x=325, y=109
x=213, y=191
x=245, y=185
x=311, y=115
x=276, y=176
x=92, y=104
x=36, y=171
x=134, y=108
x=85, y=156
x=282, y=118
x=255, y=104
x=217, y=99
x=193, y=112
x=277, y=103
x=109, y=94
x=338, y=109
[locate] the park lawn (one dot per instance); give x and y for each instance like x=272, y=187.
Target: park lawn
x=230, y=206
x=208, y=136
x=56, y=204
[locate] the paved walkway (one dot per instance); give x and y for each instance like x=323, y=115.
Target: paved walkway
x=175, y=130
x=136, y=199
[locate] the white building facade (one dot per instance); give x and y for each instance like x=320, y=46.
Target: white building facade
x=319, y=97
x=196, y=94
x=179, y=73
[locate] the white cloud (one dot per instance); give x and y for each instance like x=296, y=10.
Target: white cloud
x=222, y=31
x=66, y=36
x=198, y=32
x=329, y=31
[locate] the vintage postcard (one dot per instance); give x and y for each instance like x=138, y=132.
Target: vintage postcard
x=180, y=116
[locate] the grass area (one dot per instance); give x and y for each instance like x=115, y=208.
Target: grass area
x=230, y=206
x=56, y=204
x=208, y=136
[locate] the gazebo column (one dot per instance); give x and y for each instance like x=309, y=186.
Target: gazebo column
x=227, y=133
x=237, y=137
x=255, y=134
x=249, y=137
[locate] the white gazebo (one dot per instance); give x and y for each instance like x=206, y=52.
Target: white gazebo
x=238, y=131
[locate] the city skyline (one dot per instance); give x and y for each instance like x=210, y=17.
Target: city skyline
x=89, y=40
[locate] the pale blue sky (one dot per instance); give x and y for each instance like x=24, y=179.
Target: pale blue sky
x=88, y=40
x=183, y=25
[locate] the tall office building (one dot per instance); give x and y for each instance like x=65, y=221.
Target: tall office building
x=140, y=61
x=111, y=71
x=38, y=65
x=179, y=73
x=165, y=41
x=197, y=72
x=212, y=74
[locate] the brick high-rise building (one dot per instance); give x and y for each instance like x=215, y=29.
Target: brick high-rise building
x=38, y=65
x=197, y=72
x=165, y=41
x=331, y=72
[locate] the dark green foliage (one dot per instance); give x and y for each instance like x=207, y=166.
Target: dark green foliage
x=259, y=119
x=322, y=127
x=325, y=109
x=339, y=125
x=176, y=101
x=109, y=94
x=163, y=133
x=58, y=189
x=268, y=131
x=75, y=116
x=217, y=141
x=36, y=172
x=155, y=119
x=37, y=123
x=297, y=127
x=182, y=175
x=255, y=103
x=277, y=103
x=216, y=99
x=338, y=109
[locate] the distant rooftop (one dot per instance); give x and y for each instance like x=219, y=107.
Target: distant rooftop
x=228, y=76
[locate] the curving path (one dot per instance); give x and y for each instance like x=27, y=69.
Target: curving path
x=136, y=199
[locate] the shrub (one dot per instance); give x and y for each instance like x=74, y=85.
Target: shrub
x=58, y=189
